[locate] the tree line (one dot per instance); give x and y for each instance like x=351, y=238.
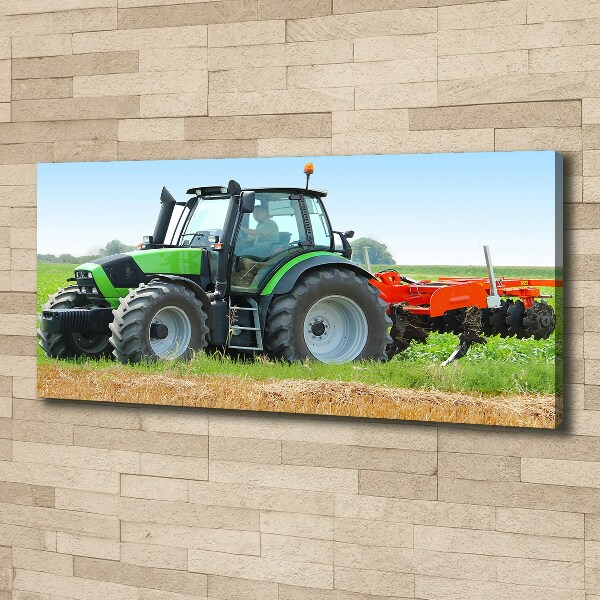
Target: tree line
x=112, y=247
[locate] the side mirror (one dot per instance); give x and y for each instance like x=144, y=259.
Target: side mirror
x=349, y=234
x=247, y=202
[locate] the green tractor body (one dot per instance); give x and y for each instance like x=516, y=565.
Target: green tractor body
x=246, y=271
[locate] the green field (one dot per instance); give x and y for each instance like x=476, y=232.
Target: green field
x=501, y=365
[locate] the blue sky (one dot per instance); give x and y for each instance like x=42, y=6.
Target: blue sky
x=427, y=208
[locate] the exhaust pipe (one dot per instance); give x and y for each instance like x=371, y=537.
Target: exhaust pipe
x=167, y=206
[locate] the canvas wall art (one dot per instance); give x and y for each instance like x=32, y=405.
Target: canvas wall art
x=414, y=287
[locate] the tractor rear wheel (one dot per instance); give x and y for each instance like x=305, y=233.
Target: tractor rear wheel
x=159, y=320
x=70, y=345
x=331, y=315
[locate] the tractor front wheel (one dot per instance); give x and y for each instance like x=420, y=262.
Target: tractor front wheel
x=159, y=320
x=331, y=315
x=70, y=345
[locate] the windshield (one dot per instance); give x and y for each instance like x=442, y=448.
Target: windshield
x=207, y=220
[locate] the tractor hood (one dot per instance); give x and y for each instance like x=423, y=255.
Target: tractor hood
x=113, y=276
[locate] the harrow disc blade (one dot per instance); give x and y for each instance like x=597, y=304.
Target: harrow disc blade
x=454, y=320
x=539, y=320
x=514, y=320
x=496, y=320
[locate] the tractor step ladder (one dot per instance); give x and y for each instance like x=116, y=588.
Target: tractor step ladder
x=257, y=330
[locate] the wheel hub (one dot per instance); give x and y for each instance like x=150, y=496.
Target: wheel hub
x=170, y=332
x=318, y=327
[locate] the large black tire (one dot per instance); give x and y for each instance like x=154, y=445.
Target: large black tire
x=285, y=336
x=71, y=345
x=137, y=312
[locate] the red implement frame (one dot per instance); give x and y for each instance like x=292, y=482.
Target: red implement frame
x=434, y=298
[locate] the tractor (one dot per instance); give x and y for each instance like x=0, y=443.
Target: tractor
x=262, y=271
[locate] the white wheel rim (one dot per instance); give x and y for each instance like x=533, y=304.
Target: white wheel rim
x=179, y=332
x=335, y=329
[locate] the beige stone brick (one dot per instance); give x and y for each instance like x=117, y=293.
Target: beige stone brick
x=68, y=21
x=49, y=433
x=74, y=587
x=85, y=150
x=23, y=281
x=541, y=572
x=272, y=9
x=591, y=189
x=50, y=475
x=591, y=163
x=26, y=89
x=41, y=45
x=89, y=502
x=468, y=66
x=173, y=59
x=359, y=457
x=252, y=127
x=93, y=547
x=374, y=24
x=160, y=557
x=398, y=485
x=519, y=495
x=479, y=466
x=249, y=33
x=186, y=149
x=468, y=140
x=177, y=582
x=154, y=488
x=590, y=137
x=5, y=449
x=150, y=129
x=585, y=242
x=293, y=147
x=5, y=47
x=22, y=537
x=184, y=467
x=373, y=533
x=22, y=175
x=561, y=472
x=285, y=476
x=18, y=196
x=23, y=7
x=92, y=63
x=297, y=524
x=226, y=588
x=367, y=121
x=5, y=408
x=390, y=48
x=16, y=324
x=498, y=543
x=399, y=95
x=47, y=562
x=52, y=131
x=590, y=110
x=261, y=569
x=273, y=55
x=539, y=11
x=592, y=397
x=174, y=420
x=217, y=540
x=363, y=74
x=247, y=80
x=518, y=88
x=305, y=429
x=23, y=237
x=247, y=450
x=187, y=14
x=5, y=112
x=173, y=105
x=26, y=153
x=264, y=498
x=569, y=59
x=591, y=342
x=76, y=108
x=77, y=457
x=155, y=441
x=296, y=549
x=134, y=84
x=127, y=39
x=539, y=138
x=437, y=588
x=374, y=582
x=60, y=520
x=190, y=515
x=484, y=14
x=410, y=560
